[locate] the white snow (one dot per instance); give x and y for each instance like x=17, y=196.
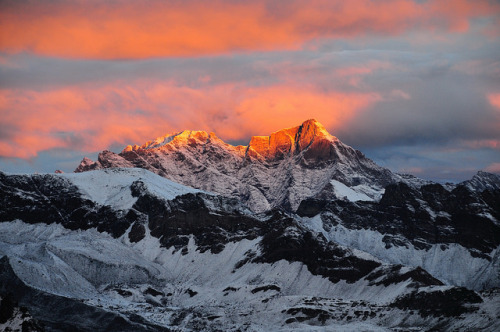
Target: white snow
x=343, y=191
x=112, y=186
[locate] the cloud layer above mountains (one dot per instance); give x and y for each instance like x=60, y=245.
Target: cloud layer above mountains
x=413, y=84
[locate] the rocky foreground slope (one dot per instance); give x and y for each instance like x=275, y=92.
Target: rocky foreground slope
x=127, y=250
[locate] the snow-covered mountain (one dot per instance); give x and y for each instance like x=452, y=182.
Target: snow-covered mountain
x=296, y=231
x=279, y=170
x=124, y=249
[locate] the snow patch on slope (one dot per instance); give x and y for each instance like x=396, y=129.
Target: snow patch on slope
x=112, y=186
x=25, y=245
x=343, y=191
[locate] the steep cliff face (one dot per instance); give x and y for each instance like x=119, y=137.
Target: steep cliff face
x=279, y=170
x=453, y=234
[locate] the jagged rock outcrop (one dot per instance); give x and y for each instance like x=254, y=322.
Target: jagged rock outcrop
x=483, y=181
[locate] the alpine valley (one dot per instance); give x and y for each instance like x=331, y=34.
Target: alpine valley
x=294, y=232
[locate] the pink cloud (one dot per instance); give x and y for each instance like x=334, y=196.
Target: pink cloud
x=485, y=143
x=494, y=100
x=90, y=117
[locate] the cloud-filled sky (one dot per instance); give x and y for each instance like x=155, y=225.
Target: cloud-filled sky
x=414, y=84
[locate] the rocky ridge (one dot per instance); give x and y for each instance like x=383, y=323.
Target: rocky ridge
x=279, y=170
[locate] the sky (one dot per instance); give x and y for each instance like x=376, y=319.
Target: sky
x=413, y=84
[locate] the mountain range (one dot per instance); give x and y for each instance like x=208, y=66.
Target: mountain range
x=279, y=170
x=296, y=231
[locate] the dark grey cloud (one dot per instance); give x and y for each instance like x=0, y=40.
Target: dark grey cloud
x=443, y=163
x=442, y=105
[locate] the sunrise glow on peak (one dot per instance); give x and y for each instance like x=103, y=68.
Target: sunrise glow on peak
x=286, y=140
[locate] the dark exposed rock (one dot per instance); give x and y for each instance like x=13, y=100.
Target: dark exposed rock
x=266, y=288
x=492, y=198
x=289, y=241
x=230, y=289
x=15, y=318
x=306, y=314
x=435, y=195
x=393, y=275
x=137, y=232
x=123, y=292
x=174, y=221
x=421, y=217
x=311, y=207
x=249, y=255
x=7, y=306
x=452, y=302
x=154, y=292
x=399, y=194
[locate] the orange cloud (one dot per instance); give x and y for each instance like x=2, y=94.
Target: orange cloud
x=274, y=108
x=137, y=29
x=494, y=100
x=92, y=118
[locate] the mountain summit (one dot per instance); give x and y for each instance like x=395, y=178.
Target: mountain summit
x=279, y=170
x=310, y=136
x=276, y=146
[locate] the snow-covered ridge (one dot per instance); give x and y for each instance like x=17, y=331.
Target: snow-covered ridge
x=112, y=186
x=483, y=181
x=289, y=139
x=452, y=263
x=178, y=138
